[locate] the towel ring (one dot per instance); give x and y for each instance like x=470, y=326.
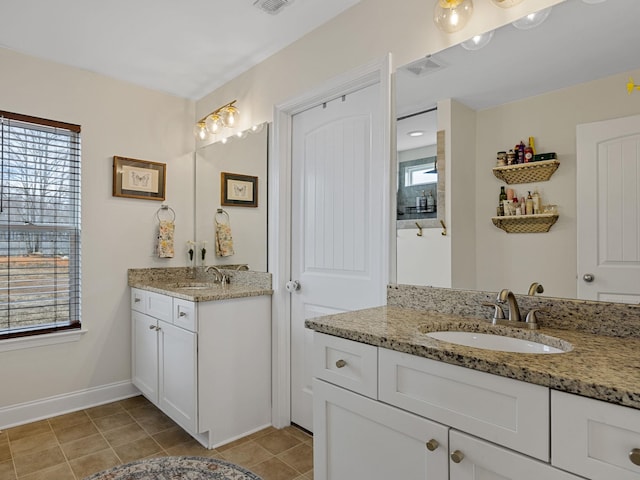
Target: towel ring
x=166, y=208
x=220, y=211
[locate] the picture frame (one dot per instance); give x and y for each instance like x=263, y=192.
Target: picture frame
x=238, y=190
x=142, y=179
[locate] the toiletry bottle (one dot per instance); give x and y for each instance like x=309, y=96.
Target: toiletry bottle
x=521, y=152
x=528, y=152
x=431, y=203
x=529, y=205
x=532, y=145
x=503, y=195
x=536, y=202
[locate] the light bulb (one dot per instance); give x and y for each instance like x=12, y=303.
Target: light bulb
x=212, y=123
x=532, y=20
x=452, y=15
x=229, y=116
x=477, y=42
x=506, y=3
x=200, y=131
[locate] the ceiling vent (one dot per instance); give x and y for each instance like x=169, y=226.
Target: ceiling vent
x=272, y=7
x=424, y=66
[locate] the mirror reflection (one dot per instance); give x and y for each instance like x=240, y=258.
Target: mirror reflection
x=242, y=156
x=539, y=83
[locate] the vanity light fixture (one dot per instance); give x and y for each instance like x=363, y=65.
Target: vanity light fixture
x=224, y=116
x=452, y=15
x=532, y=20
x=478, y=41
x=506, y=3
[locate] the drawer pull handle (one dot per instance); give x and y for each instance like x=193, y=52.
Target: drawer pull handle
x=340, y=363
x=634, y=456
x=432, y=445
x=457, y=456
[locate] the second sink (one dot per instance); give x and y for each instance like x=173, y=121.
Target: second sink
x=488, y=341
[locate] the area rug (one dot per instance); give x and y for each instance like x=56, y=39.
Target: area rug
x=174, y=468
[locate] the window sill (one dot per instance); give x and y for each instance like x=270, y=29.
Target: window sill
x=41, y=340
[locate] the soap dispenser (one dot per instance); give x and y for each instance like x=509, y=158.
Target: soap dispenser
x=431, y=203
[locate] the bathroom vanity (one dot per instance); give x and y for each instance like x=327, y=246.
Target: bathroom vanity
x=391, y=402
x=201, y=352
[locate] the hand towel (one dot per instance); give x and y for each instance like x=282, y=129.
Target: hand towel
x=165, y=238
x=224, y=240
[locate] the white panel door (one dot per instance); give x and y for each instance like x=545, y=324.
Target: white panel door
x=608, y=185
x=339, y=199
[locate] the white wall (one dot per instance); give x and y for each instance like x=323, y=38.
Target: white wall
x=117, y=233
x=515, y=260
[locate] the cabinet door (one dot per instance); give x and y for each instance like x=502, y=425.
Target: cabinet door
x=145, y=355
x=178, y=373
x=474, y=459
x=356, y=437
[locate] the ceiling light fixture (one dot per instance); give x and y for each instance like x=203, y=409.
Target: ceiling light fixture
x=416, y=133
x=506, y=3
x=532, y=20
x=225, y=116
x=478, y=41
x=452, y=15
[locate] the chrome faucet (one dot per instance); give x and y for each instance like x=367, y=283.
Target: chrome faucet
x=507, y=296
x=221, y=278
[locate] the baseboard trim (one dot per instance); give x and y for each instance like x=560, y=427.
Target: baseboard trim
x=27, y=412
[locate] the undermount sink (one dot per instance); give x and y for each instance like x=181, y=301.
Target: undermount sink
x=193, y=285
x=535, y=343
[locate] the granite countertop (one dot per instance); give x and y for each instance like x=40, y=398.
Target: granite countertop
x=216, y=292
x=598, y=366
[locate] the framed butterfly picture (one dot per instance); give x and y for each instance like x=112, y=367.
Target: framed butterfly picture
x=139, y=178
x=238, y=190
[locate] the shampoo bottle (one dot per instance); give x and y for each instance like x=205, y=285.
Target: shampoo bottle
x=536, y=202
x=529, y=205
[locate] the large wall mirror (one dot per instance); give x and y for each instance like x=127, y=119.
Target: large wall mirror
x=541, y=82
x=245, y=155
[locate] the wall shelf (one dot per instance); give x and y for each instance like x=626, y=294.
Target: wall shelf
x=527, y=172
x=539, y=223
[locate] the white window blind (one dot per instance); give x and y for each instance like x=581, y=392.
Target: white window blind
x=39, y=225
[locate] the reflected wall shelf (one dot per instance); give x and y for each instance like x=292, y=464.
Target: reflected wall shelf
x=539, y=223
x=527, y=172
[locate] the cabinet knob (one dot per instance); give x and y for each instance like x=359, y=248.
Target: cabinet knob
x=340, y=363
x=432, y=444
x=457, y=456
x=152, y=327
x=182, y=314
x=158, y=329
x=137, y=300
x=634, y=456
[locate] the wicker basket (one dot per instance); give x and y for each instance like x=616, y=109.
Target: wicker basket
x=527, y=172
x=526, y=223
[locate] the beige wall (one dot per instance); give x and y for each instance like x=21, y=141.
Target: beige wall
x=117, y=233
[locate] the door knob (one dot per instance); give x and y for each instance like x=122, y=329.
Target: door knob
x=588, y=277
x=457, y=456
x=292, y=286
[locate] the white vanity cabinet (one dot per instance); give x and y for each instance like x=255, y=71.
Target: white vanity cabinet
x=207, y=365
x=356, y=436
x=428, y=420
x=598, y=440
x=164, y=357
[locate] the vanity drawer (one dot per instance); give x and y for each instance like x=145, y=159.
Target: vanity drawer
x=184, y=314
x=153, y=304
x=138, y=300
x=594, y=438
x=508, y=412
x=346, y=363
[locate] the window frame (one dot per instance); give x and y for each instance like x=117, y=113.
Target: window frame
x=63, y=331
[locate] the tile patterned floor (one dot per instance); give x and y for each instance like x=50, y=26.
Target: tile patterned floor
x=72, y=446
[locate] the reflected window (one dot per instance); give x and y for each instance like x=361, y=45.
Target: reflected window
x=422, y=174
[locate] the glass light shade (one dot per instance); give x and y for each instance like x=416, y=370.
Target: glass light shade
x=229, y=116
x=200, y=131
x=452, y=15
x=506, y=3
x=593, y=2
x=532, y=20
x=212, y=123
x=477, y=42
